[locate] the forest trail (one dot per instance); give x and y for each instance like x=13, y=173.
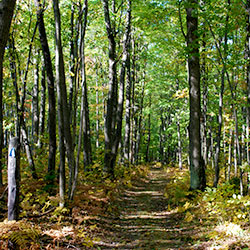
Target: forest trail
x=143, y=221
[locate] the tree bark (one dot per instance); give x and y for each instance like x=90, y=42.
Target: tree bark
x=6, y=14
x=87, y=149
x=139, y=129
x=220, y=115
x=205, y=102
x=35, y=97
x=197, y=170
x=248, y=77
x=230, y=154
x=147, y=157
x=97, y=108
x=62, y=95
x=28, y=150
x=125, y=66
x=133, y=106
x=50, y=84
x=84, y=114
x=13, y=178
x=127, y=114
x=42, y=108
x=72, y=65
x=21, y=126
x=110, y=118
x=179, y=144
x=161, y=146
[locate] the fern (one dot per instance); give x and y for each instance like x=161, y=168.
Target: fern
x=21, y=234
x=19, y=239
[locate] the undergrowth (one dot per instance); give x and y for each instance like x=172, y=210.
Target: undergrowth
x=221, y=214
x=44, y=225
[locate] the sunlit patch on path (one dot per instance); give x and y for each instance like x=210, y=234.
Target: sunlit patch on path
x=144, y=221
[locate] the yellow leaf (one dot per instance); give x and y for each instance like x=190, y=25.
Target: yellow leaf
x=93, y=227
x=189, y=217
x=187, y=205
x=181, y=209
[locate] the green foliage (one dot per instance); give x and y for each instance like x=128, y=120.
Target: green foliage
x=177, y=190
x=225, y=204
x=221, y=212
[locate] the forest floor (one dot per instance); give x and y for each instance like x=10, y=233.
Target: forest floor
x=143, y=220
x=149, y=207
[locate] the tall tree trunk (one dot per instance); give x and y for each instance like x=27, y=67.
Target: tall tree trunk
x=35, y=97
x=87, y=149
x=110, y=119
x=84, y=115
x=97, y=108
x=139, y=129
x=197, y=170
x=179, y=144
x=13, y=71
x=133, y=106
x=72, y=66
x=127, y=114
x=230, y=154
x=114, y=114
x=6, y=14
x=20, y=104
x=28, y=150
x=220, y=115
x=42, y=108
x=238, y=147
x=62, y=95
x=205, y=102
x=147, y=158
x=248, y=81
x=124, y=67
x=218, y=136
x=51, y=90
x=62, y=176
x=210, y=144
x=161, y=135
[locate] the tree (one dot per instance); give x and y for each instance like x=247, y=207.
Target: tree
x=51, y=91
x=62, y=96
x=6, y=14
x=84, y=129
x=115, y=100
x=248, y=75
x=197, y=169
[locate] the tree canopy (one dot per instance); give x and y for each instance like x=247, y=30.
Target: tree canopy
x=91, y=88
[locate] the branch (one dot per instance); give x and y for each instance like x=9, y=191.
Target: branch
x=5, y=190
x=119, y=6
x=179, y=11
x=27, y=68
x=42, y=214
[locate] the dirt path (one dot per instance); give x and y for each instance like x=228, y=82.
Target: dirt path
x=143, y=221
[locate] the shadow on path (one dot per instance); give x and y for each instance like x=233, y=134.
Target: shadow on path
x=144, y=221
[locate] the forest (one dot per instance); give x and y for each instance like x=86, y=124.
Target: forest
x=124, y=124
